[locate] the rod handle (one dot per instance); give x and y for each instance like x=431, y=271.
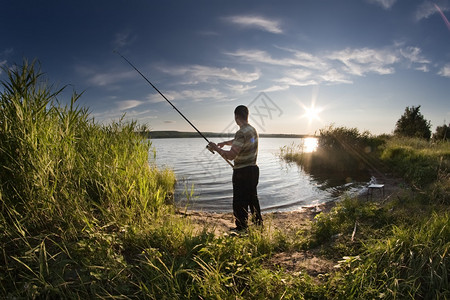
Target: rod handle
x=209, y=148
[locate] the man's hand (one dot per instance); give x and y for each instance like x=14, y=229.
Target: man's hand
x=214, y=146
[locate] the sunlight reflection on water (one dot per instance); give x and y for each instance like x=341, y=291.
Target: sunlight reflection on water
x=310, y=144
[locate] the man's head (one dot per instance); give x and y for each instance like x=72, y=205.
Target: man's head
x=241, y=113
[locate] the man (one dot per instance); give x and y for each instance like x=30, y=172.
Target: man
x=244, y=151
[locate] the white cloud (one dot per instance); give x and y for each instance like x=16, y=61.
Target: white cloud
x=423, y=68
x=429, y=8
x=386, y=4
x=128, y=104
x=240, y=88
x=445, y=71
x=296, y=82
x=305, y=69
x=198, y=73
x=189, y=94
x=365, y=60
x=256, y=22
x=123, y=39
x=356, y=61
x=276, y=88
x=293, y=67
x=300, y=58
x=334, y=76
x=109, y=115
x=413, y=54
x=103, y=79
x=297, y=77
x=198, y=95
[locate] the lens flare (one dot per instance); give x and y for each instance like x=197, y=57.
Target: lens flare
x=442, y=16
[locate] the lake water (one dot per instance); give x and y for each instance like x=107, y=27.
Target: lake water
x=282, y=186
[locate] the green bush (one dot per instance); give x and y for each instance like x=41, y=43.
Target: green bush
x=342, y=153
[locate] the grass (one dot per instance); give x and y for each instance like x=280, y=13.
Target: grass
x=420, y=162
x=400, y=250
x=70, y=191
x=84, y=215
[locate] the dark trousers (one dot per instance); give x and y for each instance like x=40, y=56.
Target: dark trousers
x=245, y=181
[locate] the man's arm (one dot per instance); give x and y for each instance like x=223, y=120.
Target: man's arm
x=230, y=154
x=226, y=143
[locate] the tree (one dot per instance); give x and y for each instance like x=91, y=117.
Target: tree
x=413, y=124
x=442, y=133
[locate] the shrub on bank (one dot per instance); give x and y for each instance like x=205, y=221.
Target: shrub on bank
x=342, y=153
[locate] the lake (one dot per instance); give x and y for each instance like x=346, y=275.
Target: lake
x=282, y=186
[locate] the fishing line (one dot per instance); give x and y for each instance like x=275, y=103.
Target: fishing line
x=181, y=114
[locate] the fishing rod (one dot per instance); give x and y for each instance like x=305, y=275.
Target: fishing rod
x=181, y=114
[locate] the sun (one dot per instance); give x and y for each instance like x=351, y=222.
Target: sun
x=312, y=113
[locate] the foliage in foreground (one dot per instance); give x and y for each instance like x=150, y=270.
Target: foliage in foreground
x=84, y=216
x=66, y=186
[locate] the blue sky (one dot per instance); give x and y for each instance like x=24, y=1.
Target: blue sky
x=299, y=65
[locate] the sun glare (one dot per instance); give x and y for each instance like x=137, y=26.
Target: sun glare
x=311, y=113
x=310, y=144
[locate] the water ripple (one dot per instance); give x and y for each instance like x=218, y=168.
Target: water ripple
x=281, y=186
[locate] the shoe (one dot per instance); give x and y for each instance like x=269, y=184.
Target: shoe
x=237, y=230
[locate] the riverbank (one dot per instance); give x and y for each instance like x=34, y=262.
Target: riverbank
x=309, y=261
x=221, y=223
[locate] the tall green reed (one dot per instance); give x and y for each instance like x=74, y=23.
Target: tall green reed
x=57, y=164
x=69, y=190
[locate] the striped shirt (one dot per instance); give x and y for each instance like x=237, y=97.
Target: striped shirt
x=246, y=138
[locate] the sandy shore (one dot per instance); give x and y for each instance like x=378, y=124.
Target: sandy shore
x=221, y=223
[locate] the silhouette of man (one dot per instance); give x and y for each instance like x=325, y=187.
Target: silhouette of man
x=244, y=152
